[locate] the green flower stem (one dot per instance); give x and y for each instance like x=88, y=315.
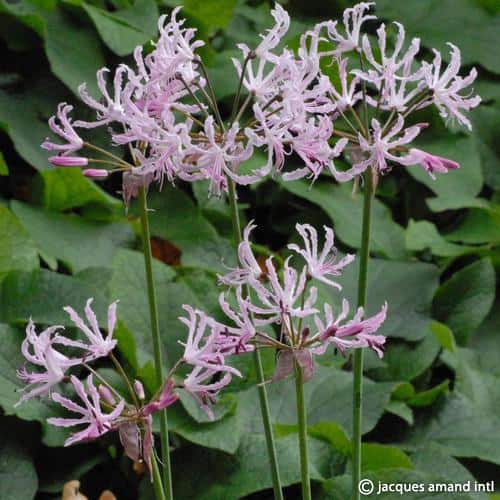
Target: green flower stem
x=357, y=414
x=264, y=403
x=155, y=332
x=157, y=484
x=302, y=417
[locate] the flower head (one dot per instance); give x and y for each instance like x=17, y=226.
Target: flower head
x=98, y=345
x=90, y=412
x=320, y=265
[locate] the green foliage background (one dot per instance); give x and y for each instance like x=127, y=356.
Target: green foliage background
x=432, y=407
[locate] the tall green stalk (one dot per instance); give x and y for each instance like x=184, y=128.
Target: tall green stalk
x=155, y=333
x=357, y=414
x=302, y=417
x=157, y=482
x=264, y=403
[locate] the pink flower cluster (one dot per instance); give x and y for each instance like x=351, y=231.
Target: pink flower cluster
x=165, y=110
x=264, y=296
x=102, y=409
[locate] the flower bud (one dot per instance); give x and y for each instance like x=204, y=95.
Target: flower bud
x=107, y=395
x=139, y=390
x=95, y=172
x=68, y=161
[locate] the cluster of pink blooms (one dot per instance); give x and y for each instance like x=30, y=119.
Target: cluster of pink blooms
x=103, y=409
x=165, y=110
x=286, y=299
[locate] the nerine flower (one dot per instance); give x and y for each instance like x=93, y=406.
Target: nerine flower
x=40, y=351
x=353, y=19
x=248, y=266
x=98, y=345
x=205, y=343
x=356, y=333
x=446, y=87
x=98, y=422
x=381, y=147
x=320, y=265
x=65, y=130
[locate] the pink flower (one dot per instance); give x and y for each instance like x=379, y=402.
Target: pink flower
x=237, y=337
x=109, y=108
x=98, y=345
x=446, y=87
x=249, y=267
x=218, y=159
x=64, y=130
x=311, y=144
x=281, y=298
x=263, y=70
x=165, y=398
x=99, y=423
x=205, y=394
x=204, y=348
x=384, y=73
x=353, y=20
x=356, y=333
x=321, y=265
x=381, y=148
x=349, y=94
x=431, y=163
x=39, y=350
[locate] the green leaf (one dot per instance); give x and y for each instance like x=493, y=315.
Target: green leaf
x=407, y=361
x=426, y=398
x=479, y=226
x=401, y=410
x=74, y=51
x=24, y=114
x=443, y=335
x=18, y=477
x=76, y=242
x=62, y=189
x=333, y=434
x=247, y=471
x=439, y=21
x=42, y=295
x=387, y=237
x=128, y=284
x=122, y=30
x=486, y=130
x=486, y=342
x=465, y=299
x=17, y=249
x=432, y=459
x=328, y=398
x=223, y=434
x=421, y=235
x=215, y=14
x=380, y=456
x=457, y=189
x=408, y=288
x=176, y=218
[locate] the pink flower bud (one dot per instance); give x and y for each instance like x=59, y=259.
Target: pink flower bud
x=107, y=395
x=68, y=161
x=95, y=172
x=139, y=390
